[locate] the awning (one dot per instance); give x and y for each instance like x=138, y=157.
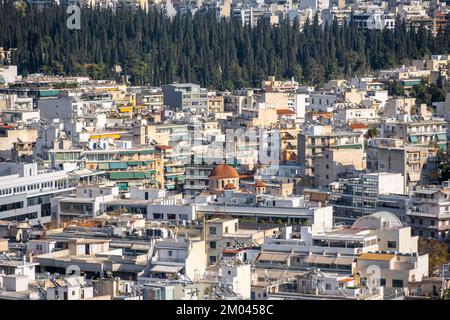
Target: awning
x=166, y=269
x=140, y=247
x=310, y=259
x=134, y=163
x=441, y=137
x=118, y=165
x=343, y=261
x=103, y=166
x=324, y=260
x=414, y=176
x=273, y=257
x=413, y=139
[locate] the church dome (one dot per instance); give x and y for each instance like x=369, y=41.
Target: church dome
x=230, y=186
x=259, y=184
x=223, y=171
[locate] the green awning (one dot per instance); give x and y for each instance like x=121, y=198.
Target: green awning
x=134, y=163
x=441, y=137
x=350, y=146
x=413, y=139
x=118, y=165
x=48, y=93
x=123, y=186
x=121, y=175
x=151, y=151
x=103, y=166
x=139, y=175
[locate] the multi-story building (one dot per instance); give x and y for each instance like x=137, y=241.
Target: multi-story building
x=26, y=193
x=186, y=97
x=337, y=249
x=128, y=167
x=215, y=102
x=197, y=179
x=224, y=233
x=314, y=140
x=357, y=197
x=374, y=19
x=429, y=214
x=417, y=164
x=336, y=164
x=417, y=131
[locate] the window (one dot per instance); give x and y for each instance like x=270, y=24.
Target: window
x=328, y=286
x=396, y=283
x=212, y=259
x=170, y=253
x=212, y=244
x=212, y=230
x=392, y=244
x=382, y=282
x=158, y=216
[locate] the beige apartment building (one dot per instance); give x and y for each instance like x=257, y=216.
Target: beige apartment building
x=335, y=164
x=215, y=102
x=313, y=142
x=418, y=165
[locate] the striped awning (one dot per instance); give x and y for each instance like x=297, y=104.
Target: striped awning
x=343, y=261
x=273, y=257
x=324, y=260
x=310, y=259
x=166, y=269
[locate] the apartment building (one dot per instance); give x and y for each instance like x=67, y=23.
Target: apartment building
x=418, y=165
x=417, y=131
x=395, y=271
x=215, y=102
x=183, y=256
x=128, y=167
x=186, y=97
x=26, y=193
x=224, y=233
x=356, y=197
x=197, y=179
x=337, y=249
x=337, y=164
x=314, y=140
x=429, y=214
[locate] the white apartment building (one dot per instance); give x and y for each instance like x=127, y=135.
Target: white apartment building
x=429, y=215
x=338, y=249
x=25, y=193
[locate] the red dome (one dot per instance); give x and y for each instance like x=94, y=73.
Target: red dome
x=259, y=184
x=224, y=171
x=230, y=186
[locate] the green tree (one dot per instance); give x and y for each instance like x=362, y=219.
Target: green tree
x=437, y=253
